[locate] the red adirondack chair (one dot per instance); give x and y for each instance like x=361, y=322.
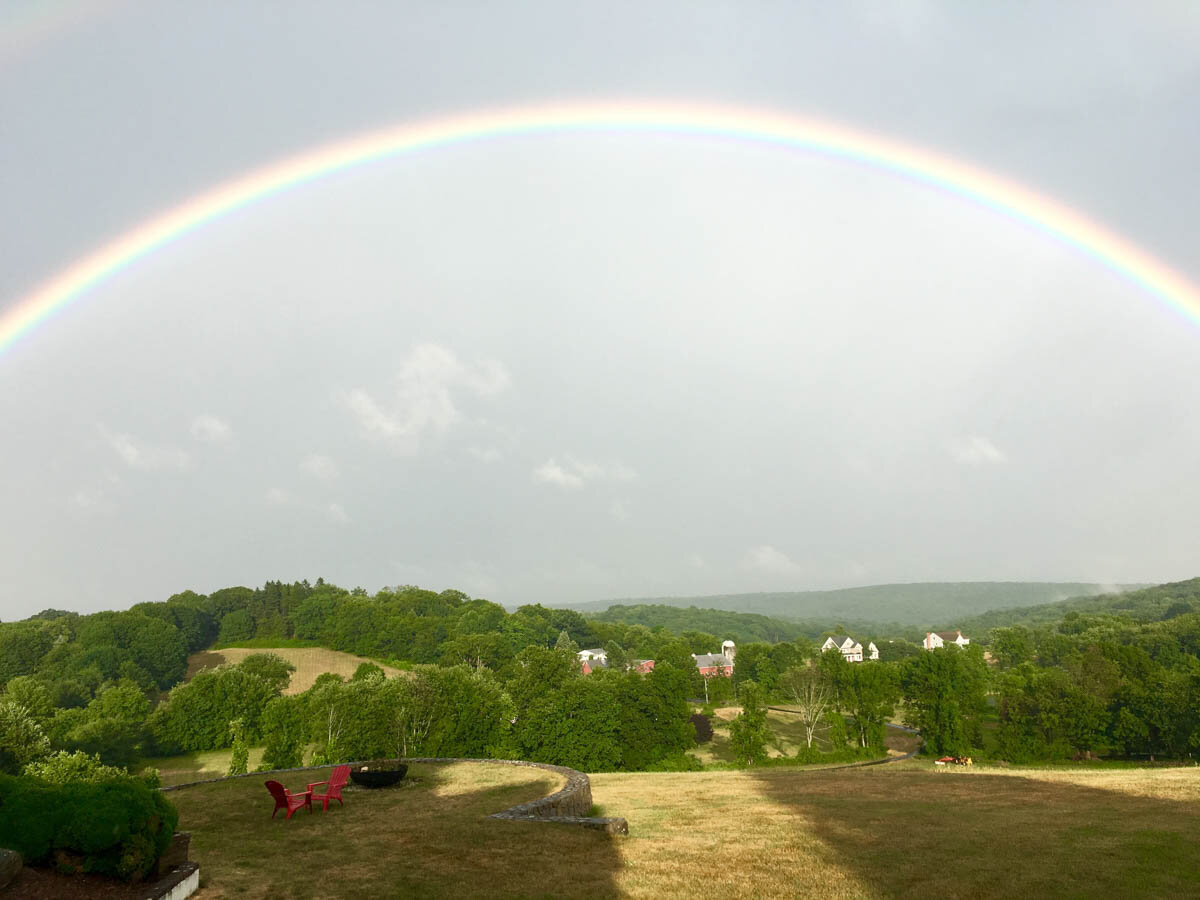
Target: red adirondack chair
x=285, y=799
x=337, y=781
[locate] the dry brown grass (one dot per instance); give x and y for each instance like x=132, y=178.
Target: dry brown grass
x=1181, y=784
x=309, y=662
x=900, y=830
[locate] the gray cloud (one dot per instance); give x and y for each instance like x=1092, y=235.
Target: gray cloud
x=319, y=467
x=771, y=561
x=579, y=366
x=211, y=430
x=975, y=450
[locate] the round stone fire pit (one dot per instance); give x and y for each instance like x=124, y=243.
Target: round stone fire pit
x=371, y=777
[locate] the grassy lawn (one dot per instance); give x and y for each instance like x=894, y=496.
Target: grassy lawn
x=309, y=662
x=787, y=737
x=199, y=765
x=430, y=837
x=902, y=830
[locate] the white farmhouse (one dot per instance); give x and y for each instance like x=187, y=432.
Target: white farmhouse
x=935, y=639
x=596, y=653
x=851, y=649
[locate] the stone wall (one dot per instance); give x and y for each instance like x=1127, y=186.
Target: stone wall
x=570, y=805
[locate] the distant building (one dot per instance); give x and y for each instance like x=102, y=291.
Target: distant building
x=935, y=639
x=717, y=664
x=588, y=666
x=872, y=650
x=596, y=658
x=851, y=650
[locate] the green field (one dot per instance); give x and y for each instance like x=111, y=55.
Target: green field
x=904, y=830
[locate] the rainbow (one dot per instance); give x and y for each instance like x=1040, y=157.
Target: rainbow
x=761, y=127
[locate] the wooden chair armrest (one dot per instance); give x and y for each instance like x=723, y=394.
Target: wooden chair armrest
x=316, y=784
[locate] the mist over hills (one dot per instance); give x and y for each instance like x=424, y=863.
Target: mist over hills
x=917, y=604
x=1150, y=604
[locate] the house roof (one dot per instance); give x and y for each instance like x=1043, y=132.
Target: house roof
x=948, y=635
x=843, y=641
x=704, y=660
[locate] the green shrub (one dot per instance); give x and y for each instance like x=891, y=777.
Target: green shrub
x=283, y=730
x=680, y=762
x=118, y=827
x=21, y=738
x=241, y=750
x=63, y=768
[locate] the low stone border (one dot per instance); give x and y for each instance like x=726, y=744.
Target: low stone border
x=569, y=805
x=182, y=881
x=10, y=866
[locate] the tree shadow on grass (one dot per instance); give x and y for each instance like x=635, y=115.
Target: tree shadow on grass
x=905, y=830
x=431, y=837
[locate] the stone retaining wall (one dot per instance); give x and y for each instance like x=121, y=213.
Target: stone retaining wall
x=570, y=805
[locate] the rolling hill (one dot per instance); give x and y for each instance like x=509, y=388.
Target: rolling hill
x=1152, y=604
x=916, y=604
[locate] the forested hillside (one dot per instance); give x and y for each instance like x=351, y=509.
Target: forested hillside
x=740, y=627
x=918, y=604
x=1114, y=675
x=480, y=681
x=1164, y=601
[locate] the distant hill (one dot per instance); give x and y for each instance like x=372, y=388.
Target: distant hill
x=903, y=604
x=1151, y=604
x=742, y=628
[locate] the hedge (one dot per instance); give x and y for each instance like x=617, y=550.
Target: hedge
x=117, y=828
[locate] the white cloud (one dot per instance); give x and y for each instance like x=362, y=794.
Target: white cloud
x=974, y=450
x=139, y=455
x=575, y=473
x=278, y=497
x=550, y=472
x=423, y=400
x=696, y=561
x=619, y=510
x=319, y=466
x=337, y=514
x=211, y=430
x=766, y=558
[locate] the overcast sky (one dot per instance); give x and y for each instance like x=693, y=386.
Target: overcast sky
x=577, y=367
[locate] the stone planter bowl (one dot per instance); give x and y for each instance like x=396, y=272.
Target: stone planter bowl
x=377, y=778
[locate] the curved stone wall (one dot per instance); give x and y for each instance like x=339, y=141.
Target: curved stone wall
x=570, y=805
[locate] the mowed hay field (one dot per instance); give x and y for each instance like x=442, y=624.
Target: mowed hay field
x=907, y=830
x=309, y=662
x=900, y=830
